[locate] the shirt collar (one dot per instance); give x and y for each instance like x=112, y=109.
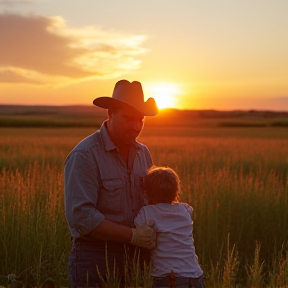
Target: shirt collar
x=108, y=143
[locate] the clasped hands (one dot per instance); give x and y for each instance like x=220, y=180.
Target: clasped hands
x=144, y=236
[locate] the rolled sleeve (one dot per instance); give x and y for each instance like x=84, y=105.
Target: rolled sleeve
x=81, y=193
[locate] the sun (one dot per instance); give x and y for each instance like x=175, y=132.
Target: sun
x=164, y=94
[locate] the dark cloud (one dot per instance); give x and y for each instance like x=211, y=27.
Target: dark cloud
x=26, y=43
x=47, y=48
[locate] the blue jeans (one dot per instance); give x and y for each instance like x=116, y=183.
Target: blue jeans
x=178, y=282
x=87, y=255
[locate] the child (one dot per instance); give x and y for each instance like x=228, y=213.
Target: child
x=175, y=263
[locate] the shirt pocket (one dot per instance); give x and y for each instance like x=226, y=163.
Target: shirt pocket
x=111, y=197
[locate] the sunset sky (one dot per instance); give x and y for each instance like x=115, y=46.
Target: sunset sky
x=188, y=54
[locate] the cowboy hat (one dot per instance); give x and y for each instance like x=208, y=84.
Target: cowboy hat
x=130, y=94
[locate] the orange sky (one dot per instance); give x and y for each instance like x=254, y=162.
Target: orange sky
x=198, y=55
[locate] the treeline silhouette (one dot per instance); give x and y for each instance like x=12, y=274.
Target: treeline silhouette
x=93, y=116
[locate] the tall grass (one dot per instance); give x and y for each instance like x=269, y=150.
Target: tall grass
x=238, y=186
x=34, y=237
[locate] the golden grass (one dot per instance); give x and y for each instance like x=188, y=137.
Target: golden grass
x=236, y=180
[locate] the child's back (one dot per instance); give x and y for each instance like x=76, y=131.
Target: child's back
x=175, y=246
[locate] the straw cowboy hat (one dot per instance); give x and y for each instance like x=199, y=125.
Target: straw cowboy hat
x=130, y=94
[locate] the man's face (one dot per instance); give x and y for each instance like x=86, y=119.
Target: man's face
x=126, y=125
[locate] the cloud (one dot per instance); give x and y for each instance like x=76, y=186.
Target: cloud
x=44, y=50
x=10, y=75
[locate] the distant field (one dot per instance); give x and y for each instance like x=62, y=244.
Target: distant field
x=92, y=116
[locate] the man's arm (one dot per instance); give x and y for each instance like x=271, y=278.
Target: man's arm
x=108, y=230
x=142, y=236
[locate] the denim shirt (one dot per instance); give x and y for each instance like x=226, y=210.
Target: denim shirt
x=99, y=185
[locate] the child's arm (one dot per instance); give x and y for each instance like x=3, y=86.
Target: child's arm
x=140, y=219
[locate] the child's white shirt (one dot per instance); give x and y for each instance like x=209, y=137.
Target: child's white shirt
x=175, y=248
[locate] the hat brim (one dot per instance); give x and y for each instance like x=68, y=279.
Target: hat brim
x=149, y=108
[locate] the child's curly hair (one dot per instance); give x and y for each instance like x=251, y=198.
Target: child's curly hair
x=162, y=185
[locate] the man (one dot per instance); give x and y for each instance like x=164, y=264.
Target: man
x=104, y=188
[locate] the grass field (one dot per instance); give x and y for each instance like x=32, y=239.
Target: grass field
x=236, y=178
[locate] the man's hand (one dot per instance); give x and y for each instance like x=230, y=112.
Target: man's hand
x=144, y=236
